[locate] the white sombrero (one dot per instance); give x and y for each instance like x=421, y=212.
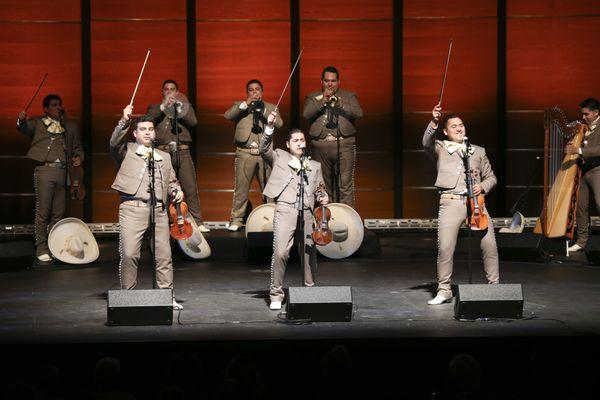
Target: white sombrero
x=195, y=246
x=348, y=232
x=261, y=219
x=71, y=241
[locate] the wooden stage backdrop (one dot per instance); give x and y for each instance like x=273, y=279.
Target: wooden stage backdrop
x=511, y=59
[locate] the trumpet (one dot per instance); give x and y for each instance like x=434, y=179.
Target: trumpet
x=331, y=102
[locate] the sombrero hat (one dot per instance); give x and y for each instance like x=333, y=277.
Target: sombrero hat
x=261, y=219
x=71, y=241
x=195, y=246
x=348, y=232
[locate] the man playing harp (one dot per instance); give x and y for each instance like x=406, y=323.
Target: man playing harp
x=589, y=162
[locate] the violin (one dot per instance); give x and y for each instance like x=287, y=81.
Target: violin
x=181, y=228
x=477, y=219
x=321, y=233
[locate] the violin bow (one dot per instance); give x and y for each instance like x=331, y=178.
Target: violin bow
x=289, y=78
x=445, y=71
x=36, y=92
x=139, y=78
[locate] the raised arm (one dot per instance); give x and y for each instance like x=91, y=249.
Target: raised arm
x=118, y=145
x=351, y=107
x=266, y=140
x=429, y=135
x=313, y=106
x=236, y=111
x=24, y=125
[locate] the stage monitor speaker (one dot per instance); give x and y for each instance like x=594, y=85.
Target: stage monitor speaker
x=320, y=303
x=489, y=301
x=140, y=307
x=518, y=246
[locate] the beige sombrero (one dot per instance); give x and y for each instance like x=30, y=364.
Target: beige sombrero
x=195, y=246
x=348, y=232
x=71, y=241
x=261, y=219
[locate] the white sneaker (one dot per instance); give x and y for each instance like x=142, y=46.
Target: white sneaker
x=233, y=227
x=44, y=258
x=575, y=248
x=176, y=305
x=203, y=228
x=275, y=305
x=439, y=299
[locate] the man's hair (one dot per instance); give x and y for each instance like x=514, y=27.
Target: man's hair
x=49, y=98
x=251, y=81
x=591, y=103
x=170, y=81
x=331, y=69
x=448, y=118
x=143, y=118
x=288, y=137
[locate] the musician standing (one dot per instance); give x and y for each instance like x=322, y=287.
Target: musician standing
x=284, y=187
x=55, y=144
x=332, y=113
x=163, y=115
x=589, y=155
x=452, y=186
x=250, y=118
x=133, y=184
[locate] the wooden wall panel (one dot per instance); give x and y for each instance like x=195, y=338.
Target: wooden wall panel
x=357, y=40
x=120, y=36
x=234, y=43
x=34, y=39
x=471, y=86
x=547, y=64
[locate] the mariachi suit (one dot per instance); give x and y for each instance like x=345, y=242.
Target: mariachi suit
x=248, y=161
x=134, y=211
x=283, y=186
x=325, y=141
x=187, y=171
x=590, y=180
x=51, y=152
x=451, y=183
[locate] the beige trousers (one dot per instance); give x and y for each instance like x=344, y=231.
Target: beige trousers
x=589, y=181
x=246, y=167
x=452, y=213
x=327, y=154
x=284, y=229
x=134, y=221
x=50, y=203
x=188, y=182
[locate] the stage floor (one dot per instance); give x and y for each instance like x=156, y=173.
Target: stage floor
x=227, y=299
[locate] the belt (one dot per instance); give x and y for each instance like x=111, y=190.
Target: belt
x=141, y=203
x=453, y=196
x=52, y=164
x=251, y=150
x=167, y=148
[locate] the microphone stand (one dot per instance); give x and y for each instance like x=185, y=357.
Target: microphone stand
x=176, y=127
x=300, y=220
x=152, y=217
x=469, y=196
x=332, y=118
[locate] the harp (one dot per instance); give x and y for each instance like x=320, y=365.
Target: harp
x=562, y=171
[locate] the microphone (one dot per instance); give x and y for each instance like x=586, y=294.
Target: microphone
x=302, y=146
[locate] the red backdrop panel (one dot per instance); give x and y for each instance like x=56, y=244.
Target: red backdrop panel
x=120, y=38
x=471, y=86
x=235, y=43
x=362, y=51
x=34, y=39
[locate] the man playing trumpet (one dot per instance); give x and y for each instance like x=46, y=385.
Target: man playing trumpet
x=250, y=119
x=332, y=113
x=166, y=140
